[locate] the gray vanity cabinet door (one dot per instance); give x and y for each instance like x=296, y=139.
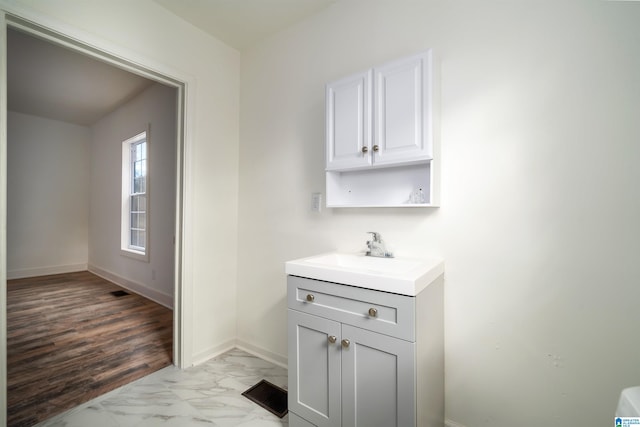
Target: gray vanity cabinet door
x=314, y=369
x=378, y=380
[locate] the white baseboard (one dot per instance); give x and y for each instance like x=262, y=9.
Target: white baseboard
x=212, y=352
x=262, y=353
x=140, y=289
x=45, y=271
x=450, y=423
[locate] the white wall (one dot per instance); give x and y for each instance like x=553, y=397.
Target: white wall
x=47, y=196
x=145, y=33
x=540, y=136
x=156, y=108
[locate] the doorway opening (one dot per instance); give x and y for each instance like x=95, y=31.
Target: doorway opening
x=13, y=23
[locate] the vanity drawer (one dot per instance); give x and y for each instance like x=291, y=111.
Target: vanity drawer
x=383, y=312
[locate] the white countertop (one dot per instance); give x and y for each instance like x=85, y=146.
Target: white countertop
x=405, y=276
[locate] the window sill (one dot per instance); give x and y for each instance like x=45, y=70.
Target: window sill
x=137, y=255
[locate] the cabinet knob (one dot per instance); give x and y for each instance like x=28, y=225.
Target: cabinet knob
x=365, y=149
x=373, y=312
x=332, y=339
x=311, y=298
x=345, y=343
x=376, y=148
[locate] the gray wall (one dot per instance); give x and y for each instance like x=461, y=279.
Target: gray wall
x=155, y=107
x=47, y=196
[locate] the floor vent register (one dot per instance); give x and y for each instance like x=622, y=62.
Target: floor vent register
x=269, y=396
x=119, y=293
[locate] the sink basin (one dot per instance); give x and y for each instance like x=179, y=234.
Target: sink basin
x=405, y=276
x=365, y=263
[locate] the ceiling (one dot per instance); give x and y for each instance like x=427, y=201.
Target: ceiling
x=50, y=81
x=243, y=23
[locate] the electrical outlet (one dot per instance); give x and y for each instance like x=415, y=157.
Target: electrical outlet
x=316, y=202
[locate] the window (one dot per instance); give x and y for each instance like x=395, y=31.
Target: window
x=135, y=197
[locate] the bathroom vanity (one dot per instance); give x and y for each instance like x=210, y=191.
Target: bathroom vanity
x=366, y=343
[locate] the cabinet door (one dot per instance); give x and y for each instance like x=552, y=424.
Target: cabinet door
x=296, y=421
x=349, y=122
x=314, y=369
x=378, y=380
x=403, y=110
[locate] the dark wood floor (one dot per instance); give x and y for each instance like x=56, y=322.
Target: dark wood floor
x=70, y=340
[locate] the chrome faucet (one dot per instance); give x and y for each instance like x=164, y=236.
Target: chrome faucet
x=377, y=247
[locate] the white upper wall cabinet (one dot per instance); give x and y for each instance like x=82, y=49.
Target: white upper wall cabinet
x=349, y=122
x=403, y=111
x=380, y=136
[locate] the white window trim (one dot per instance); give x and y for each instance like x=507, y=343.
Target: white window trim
x=125, y=220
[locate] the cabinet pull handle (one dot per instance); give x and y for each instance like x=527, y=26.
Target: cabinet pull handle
x=310, y=297
x=332, y=339
x=373, y=312
x=376, y=148
x=365, y=149
x=345, y=343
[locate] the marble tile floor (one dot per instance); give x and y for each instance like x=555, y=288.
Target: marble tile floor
x=207, y=395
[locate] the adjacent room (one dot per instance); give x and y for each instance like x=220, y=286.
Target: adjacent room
x=90, y=259
x=422, y=210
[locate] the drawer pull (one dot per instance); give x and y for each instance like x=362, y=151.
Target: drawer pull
x=310, y=298
x=345, y=343
x=373, y=312
x=332, y=339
